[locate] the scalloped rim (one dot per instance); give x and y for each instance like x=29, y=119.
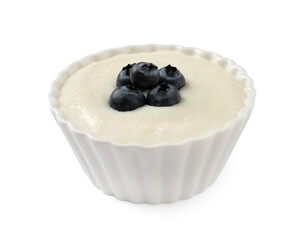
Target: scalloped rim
x=227, y=64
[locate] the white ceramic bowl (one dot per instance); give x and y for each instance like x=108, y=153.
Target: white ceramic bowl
x=162, y=173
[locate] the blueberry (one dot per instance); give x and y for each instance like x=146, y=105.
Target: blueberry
x=124, y=76
x=162, y=95
x=173, y=76
x=126, y=98
x=144, y=75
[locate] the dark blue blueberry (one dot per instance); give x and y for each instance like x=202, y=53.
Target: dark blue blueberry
x=173, y=76
x=144, y=75
x=124, y=76
x=126, y=98
x=162, y=95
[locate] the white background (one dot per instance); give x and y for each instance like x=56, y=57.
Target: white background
x=261, y=194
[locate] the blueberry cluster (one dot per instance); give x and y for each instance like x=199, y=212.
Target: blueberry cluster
x=163, y=85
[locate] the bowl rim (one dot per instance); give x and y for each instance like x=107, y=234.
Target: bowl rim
x=62, y=77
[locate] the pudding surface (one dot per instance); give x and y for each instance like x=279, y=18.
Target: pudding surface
x=211, y=98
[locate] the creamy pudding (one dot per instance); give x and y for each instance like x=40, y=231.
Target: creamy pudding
x=212, y=96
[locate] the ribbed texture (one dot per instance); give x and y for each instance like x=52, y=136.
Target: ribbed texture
x=154, y=174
